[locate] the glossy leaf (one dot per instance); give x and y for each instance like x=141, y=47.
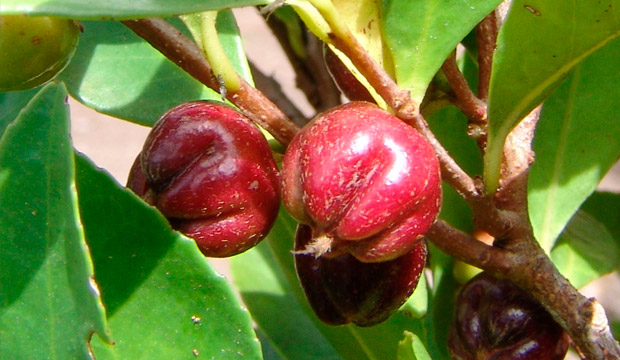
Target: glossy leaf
x=411, y=348
x=49, y=303
x=164, y=301
x=438, y=319
x=117, y=73
x=11, y=103
x=421, y=35
x=577, y=141
x=586, y=250
x=118, y=9
x=291, y=333
x=540, y=42
x=363, y=17
x=265, y=299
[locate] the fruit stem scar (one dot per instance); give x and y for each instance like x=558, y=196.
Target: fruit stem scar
x=319, y=246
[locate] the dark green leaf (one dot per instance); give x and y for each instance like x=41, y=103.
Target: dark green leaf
x=605, y=207
x=117, y=73
x=118, y=9
x=450, y=126
x=577, y=141
x=11, y=103
x=164, y=301
x=275, y=309
x=49, y=303
x=421, y=35
x=436, y=324
x=540, y=42
x=585, y=251
x=615, y=327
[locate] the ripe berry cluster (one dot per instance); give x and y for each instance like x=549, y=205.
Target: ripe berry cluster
x=364, y=187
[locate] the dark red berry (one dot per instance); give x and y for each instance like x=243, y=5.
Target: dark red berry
x=364, y=181
x=497, y=320
x=343, y=289
x=210, y=171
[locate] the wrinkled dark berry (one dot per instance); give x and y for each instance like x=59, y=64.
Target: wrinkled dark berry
x=343, y=289
x=210, y=171
x=497, y=320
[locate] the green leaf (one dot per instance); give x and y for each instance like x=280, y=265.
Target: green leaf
x=585, y=250
x=577, y=141
x=266, y=293
x=118, y=9
x=164, y=301
x=615, y=327
x=605, y=207
x=540, y=42
x=435, y=327
x=450, y=126
x=417, y=305
x=421, y=35
x=281, y=293
x=11, y=103
x=117, y=73
x=49, y=303
x=411, y=348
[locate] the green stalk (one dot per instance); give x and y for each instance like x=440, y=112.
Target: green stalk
x=212, y=47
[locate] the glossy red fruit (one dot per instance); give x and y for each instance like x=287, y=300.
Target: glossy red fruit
x=343, y=289
x=365, y=182
x=497, y=320
x=210, y=171
x=344, y=79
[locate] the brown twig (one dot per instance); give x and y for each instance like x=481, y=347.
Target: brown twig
x=518, y=158
x=525, y=263
x=486, y=36
x=186, y=54
x=583, y=318
x=474, y=108
x=469, y=249
x=272, y=89
x=406, y=109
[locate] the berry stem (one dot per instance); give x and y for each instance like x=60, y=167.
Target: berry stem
x=466, y=100
x=215, y=54
x=186, y=54
x=407, y=110
x=486, y=36
x=474, y=108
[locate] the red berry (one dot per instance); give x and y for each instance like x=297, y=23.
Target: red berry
x=210, y=171
x=497, y=320
x=343, y=289
x=364, y=181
